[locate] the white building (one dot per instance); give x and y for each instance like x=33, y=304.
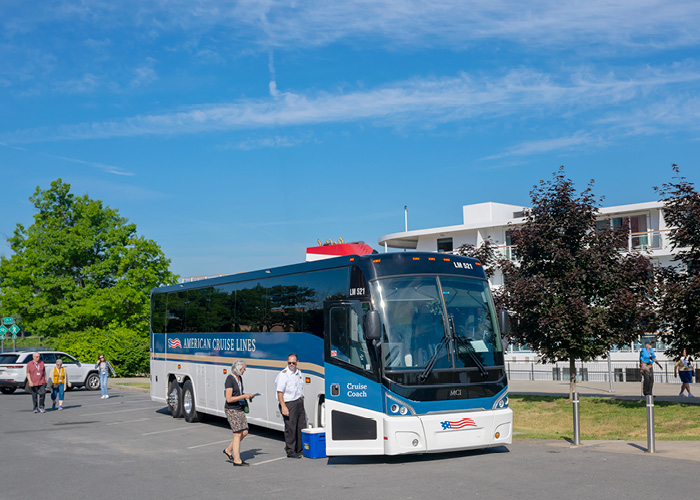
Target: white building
x=648, y=232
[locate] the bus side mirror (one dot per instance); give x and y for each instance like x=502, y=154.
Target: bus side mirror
x=504, y=327
x=372, y=325
x=504, y=321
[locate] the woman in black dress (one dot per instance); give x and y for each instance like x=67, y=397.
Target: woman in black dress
x=236, y=402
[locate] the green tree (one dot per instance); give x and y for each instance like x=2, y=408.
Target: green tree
x=81, y=270
x=574, y=293
x=679, y=311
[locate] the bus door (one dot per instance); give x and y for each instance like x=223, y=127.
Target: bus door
x=353, y=411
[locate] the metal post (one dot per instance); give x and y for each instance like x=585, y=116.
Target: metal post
x=405, y=217
x=610, y=374
x=577, y=427
x=532, y=371
x=651, y=446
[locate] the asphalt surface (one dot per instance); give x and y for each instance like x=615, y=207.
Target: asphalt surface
x=129, y=447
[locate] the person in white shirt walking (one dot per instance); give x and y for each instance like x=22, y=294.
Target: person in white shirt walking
x=290, y=394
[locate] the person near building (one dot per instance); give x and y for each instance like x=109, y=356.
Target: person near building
x=105, y=368
x=235, y=408
x=290, y=394
x=684, y=368
x=647, y=358
x=59, y=381
x=36, y=378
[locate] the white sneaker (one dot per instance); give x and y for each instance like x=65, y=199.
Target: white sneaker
x=106, y=396
x=102, y=397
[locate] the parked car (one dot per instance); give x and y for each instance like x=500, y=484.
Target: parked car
x=13, y=370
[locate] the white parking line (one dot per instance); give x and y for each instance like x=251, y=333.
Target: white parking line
x=116, y=411
x=208, y=444
x=268, y=461
x=170, y=430
x=129, y=421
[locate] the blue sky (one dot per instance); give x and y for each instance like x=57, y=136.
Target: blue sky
x=237, y=133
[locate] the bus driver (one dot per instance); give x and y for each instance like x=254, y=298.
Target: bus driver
x=290, y=394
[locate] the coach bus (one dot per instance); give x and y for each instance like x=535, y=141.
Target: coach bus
x=401, y=352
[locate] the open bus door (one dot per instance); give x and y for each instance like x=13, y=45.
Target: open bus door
x=353, y=403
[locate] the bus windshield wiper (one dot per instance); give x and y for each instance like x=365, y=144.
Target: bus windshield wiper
x=433, y=359
x=470, y=350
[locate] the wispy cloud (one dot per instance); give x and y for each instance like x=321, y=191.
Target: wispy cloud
x=545, y=145
x=417, y=102
x=616, y=23
x=110, y=169
x=276, y=141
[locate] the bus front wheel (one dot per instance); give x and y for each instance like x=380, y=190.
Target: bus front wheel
x=175, y=399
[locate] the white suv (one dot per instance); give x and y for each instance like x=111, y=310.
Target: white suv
x=13, y=370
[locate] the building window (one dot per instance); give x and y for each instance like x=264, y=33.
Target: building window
x=444, y=245
x=636, y=225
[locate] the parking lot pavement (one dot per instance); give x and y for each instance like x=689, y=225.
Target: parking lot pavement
x=129, y=447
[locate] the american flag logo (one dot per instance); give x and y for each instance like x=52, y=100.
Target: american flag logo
x=458, y=424
x=174, y=343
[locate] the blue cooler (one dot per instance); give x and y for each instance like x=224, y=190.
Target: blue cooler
x=314, y=442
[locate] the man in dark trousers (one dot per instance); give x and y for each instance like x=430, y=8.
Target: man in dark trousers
x=647, y=358
x=290, y=394
x=36, y=377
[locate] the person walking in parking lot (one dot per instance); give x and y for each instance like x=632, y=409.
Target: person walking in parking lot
x=105, y=368
x=236, y=407
x=647, y=358
x=59, y=380
x=36, y=378
x=290, y=394
x=684, y=368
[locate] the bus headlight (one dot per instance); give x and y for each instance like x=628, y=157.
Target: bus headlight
x=501, y=402
x=394, y=408
x=403, y=410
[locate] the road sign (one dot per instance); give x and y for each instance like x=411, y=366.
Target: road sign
x=3, y=329
x=2, y=336
x=7, y=321
x=14, y=330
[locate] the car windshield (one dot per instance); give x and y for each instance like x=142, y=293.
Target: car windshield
x=421, y=313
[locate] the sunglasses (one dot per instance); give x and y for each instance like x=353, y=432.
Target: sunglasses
x=291, y=362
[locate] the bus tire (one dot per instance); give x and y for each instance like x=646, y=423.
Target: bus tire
x=189, y=408
x=175, y=399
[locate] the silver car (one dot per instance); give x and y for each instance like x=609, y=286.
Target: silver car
x=13, y=370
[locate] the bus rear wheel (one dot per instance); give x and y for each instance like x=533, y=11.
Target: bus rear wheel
x=189, y=408
x=175, y=399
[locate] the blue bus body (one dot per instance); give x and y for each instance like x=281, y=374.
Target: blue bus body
x=434, y=382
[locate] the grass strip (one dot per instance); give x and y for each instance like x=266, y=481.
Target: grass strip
x=551, y=417
x=141, y=385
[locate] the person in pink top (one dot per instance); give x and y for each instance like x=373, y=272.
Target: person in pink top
x=36, y=377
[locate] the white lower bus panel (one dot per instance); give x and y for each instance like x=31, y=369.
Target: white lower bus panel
x=432, y=433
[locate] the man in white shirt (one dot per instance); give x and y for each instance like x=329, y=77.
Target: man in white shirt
x=290, y=394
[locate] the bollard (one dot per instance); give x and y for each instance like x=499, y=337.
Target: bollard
x=577, y=428
x=611, y=375
x=651, y=446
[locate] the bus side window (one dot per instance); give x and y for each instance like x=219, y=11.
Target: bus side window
x=346, y=338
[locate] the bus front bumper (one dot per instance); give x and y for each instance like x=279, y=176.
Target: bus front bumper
x=447, y=431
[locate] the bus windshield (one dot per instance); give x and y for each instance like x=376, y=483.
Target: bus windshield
x=447, y=321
